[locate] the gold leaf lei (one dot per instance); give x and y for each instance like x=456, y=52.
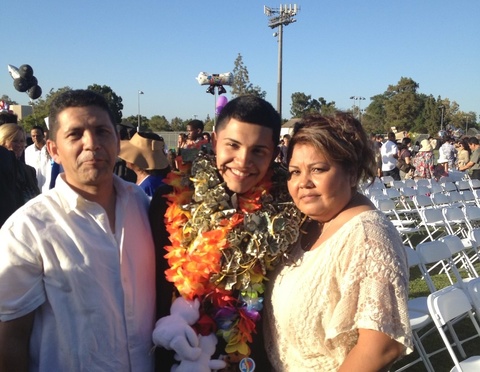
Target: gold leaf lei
x=223, y=244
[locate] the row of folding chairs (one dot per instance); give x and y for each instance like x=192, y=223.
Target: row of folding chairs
x=452, y=256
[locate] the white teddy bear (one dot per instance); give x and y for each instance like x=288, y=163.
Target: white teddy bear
x=174, y=332
x=203, y=363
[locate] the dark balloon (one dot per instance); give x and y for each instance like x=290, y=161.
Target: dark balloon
x=21, y=84
x=25, y=71
x=35, y=92
x=32, y=81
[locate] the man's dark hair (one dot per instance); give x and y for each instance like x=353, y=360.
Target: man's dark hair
x=8, y=118
x=39, y=128
x=196, y=124
x=473, y=141
x=254, y=110
x=76, y=98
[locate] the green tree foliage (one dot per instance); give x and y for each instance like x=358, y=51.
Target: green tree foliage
x=178, y=125
x=374, y=119
x=303, y=104
x=41, y=109
x=241, y=81
x=8, y=100
x=403, y=105
x=159, y=123
x=114, y=101
x=209, y=123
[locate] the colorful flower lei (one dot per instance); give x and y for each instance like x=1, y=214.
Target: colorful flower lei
x=223, y=244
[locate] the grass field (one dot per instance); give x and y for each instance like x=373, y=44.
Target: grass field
x=441, y=361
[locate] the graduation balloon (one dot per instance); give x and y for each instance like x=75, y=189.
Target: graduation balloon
x=25, y=81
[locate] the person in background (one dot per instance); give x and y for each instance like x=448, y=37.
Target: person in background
x=37, y=156
x=144, y=155
x=389, y=153
x=283, y=148
x=404, y=159
x=447, y=154
x=473, y=165
x=182, y=141
x=10, y=200
x=12, y=137
x=463, y=152
x=195, y=138
x=120, y=167
x=207, y=137
x=423, y=161
x=77, y=266
x=340, y=303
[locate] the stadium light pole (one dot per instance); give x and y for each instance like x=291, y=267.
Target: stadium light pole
x=279, y=17
x=442, y=107
x=359, y=99
x=138, y=114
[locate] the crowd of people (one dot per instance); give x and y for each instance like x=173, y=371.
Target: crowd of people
x=430, y=158
x=276, y=258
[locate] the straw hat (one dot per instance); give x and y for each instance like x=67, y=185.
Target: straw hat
x=426, y=146
x=145, y=153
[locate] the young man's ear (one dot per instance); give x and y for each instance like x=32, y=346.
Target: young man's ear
x=53, y=151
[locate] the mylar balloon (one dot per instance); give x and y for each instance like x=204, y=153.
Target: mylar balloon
x=32, y=81
x=35, y=92
x=221, y=102
x=21, y=84
x=26, y=71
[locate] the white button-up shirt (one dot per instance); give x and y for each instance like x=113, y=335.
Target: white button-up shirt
x=92, y=290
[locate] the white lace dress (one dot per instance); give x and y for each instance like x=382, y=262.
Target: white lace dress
x=358, y=278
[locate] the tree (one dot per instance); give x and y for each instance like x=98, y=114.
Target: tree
x=8, y=100
x=41, y=109
x=303, y=104
x=374, y=119
x=159, y=124
x=403, y=104
x=114, y=101
x=209, y=123
x=178, y=125
x=241, y=81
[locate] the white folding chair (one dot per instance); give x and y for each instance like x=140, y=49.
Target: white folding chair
x=440, y=200
x=448, y=186
x=468, y=197
x=436, y=253
x=420, y=319
x=423, y=182
x=455, y=221
x=457, y=198
x=409, y=182
x=405, y=225
x=463, y=185
x=458, y=250
x=445, y=306
x=472, y=216
x=433, y=222
x=474, y=183
x=387, y=180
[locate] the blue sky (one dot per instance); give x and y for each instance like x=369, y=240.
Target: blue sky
x=336, y=49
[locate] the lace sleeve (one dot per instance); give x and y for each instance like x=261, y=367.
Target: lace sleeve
x=374, y=286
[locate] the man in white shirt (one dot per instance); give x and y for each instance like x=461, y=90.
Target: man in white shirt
x=389, y=153
x=77, y=264
x=36, y=155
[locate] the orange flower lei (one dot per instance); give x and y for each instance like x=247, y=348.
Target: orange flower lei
x=223, y=245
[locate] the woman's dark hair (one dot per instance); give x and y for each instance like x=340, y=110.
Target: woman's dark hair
x=340, y=138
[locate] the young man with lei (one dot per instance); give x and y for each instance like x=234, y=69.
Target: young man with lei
x=223, y=225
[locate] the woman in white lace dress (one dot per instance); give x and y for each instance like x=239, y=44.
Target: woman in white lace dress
x=340, y=304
